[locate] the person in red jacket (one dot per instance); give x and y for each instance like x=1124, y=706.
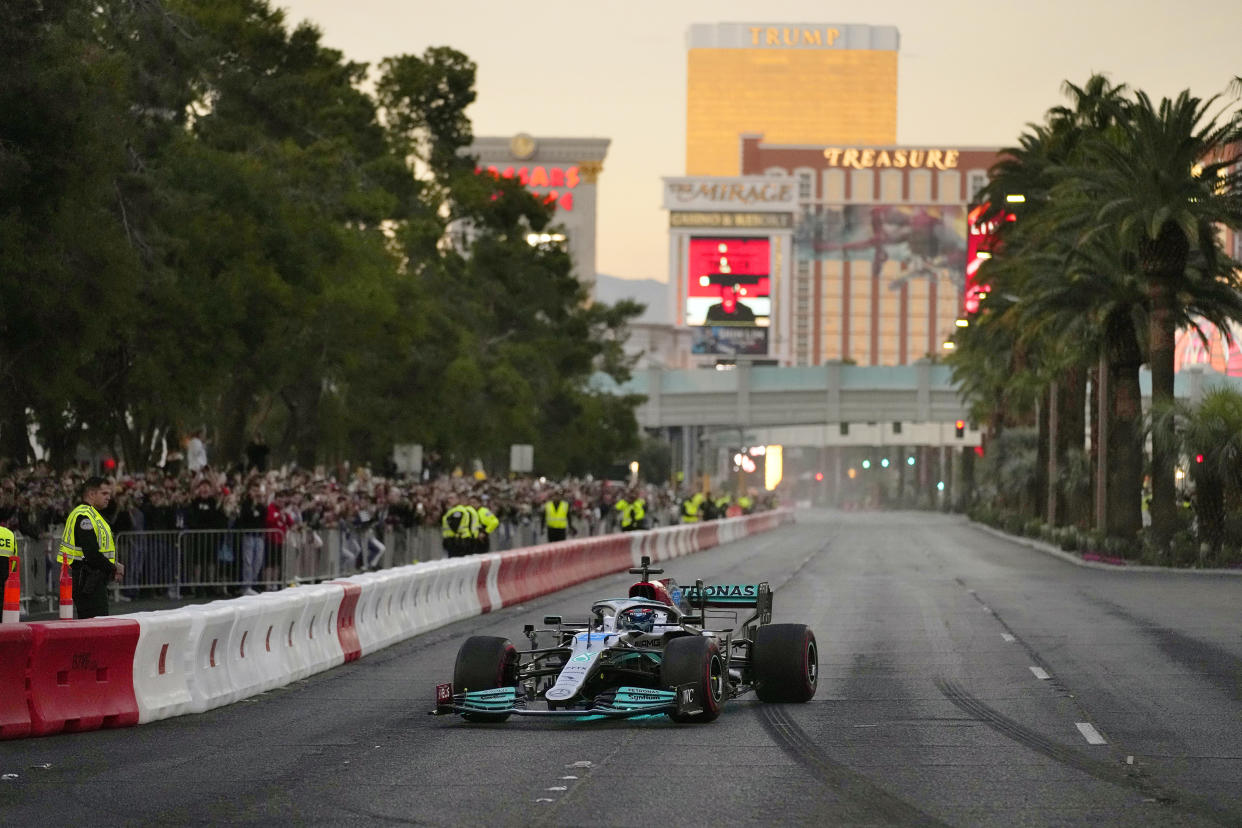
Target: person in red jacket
x=279, y=522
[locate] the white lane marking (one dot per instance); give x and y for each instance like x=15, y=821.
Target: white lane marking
x=557, y=788
x=1089, y=733
x=1007, y=638
x=580, y=764
x=1129, y=760
x=987, y=609
x=1040, y=673
x=544, y=799
x=569, y=777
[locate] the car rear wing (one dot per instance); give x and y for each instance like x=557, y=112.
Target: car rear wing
x=732, y=596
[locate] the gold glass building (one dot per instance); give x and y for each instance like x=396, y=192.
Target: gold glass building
x=806, y=83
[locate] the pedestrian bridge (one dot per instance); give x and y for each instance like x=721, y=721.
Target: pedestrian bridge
x=769, y=396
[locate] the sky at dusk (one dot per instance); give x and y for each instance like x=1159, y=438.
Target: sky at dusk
x=969, y=73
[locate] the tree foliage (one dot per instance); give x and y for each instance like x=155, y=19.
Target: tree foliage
x=208, y=219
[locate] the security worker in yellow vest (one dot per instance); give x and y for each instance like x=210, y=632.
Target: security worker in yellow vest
x=457, y=529
x=8, y=548
x=746, y=503
x=690, y=508
x=624, y=512
x=556, y=517
x=90, y=548
x=487, y=524
x=722, y=505
x=638, y=512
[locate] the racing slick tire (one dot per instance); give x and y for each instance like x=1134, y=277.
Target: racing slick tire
x=485, y=662
x=785, y=661
x=696, y=660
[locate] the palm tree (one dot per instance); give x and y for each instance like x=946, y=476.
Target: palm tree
x=1211, y=434
x=1163, y=184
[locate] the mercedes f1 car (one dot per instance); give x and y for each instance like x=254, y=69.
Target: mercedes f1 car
x=653, y=652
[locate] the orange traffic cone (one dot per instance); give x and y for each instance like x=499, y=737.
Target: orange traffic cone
x=66, y=592
x=13, y=593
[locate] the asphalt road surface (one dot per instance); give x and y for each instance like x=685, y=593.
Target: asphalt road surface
x=964, y=680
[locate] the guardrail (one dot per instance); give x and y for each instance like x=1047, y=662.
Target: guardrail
x=62, y=676
x=227, y=562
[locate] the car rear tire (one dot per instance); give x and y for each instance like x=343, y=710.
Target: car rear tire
x=696, y=660
x=785, y=662
x=485, y=662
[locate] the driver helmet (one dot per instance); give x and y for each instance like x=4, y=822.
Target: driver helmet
x=643, y=619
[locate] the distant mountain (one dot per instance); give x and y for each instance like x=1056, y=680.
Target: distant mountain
x=650, y=292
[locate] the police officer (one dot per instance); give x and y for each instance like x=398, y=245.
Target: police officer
x=89, y=547
x=488, y=523
x=458, y=527
x=8, y=548
x=556, y=517
x=690, y=508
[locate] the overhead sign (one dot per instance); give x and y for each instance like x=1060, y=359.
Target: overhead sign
x=521, y=458
x=750, y=221
x=730, y=340
x=553, y=185
x=865, y=158
x=746, y=193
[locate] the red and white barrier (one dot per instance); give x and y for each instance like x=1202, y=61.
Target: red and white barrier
x=112, y=672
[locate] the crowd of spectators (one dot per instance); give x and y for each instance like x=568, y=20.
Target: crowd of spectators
x=35, y=500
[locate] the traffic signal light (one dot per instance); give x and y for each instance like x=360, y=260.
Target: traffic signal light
x=960, y=428
x=1198, y=458
x=819, y=477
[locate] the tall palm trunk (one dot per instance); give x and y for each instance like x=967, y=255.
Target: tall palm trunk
x=1163, y=261
x=1124, y=447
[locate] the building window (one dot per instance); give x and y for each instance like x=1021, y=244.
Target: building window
x=976, y=180
x=806, y=185
x=845, y=429
x=896, y=426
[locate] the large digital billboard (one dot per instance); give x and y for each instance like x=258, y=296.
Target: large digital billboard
x=928, y=242
x=730, y=282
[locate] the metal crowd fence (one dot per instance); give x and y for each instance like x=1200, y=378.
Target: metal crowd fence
x=170, y=564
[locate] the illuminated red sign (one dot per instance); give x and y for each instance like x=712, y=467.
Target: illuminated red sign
x=553, y=185
x=979, y=243
x=729, y=281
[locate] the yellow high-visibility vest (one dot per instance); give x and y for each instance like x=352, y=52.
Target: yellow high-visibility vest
x=556, y=514
x=465, y=529
x=488, y=520
x=70, y=550
x=8, y=543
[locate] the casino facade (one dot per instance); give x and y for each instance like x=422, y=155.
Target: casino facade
x=822, y=240
x=564, y=173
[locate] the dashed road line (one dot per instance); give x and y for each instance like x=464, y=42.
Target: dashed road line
x=1007, y=638
x=1089, y=733
x=1040, y=673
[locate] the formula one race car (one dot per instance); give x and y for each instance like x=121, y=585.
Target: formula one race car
x=651, y=652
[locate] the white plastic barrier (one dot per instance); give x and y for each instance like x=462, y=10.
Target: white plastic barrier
x=420, y=612
x=405, y=591
x=462, y=592
x=281, y=658
x=242, y=653
x=317, y=627
x=207, y=673
x=161, y=660
x=439, y=610
x=376, y=616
